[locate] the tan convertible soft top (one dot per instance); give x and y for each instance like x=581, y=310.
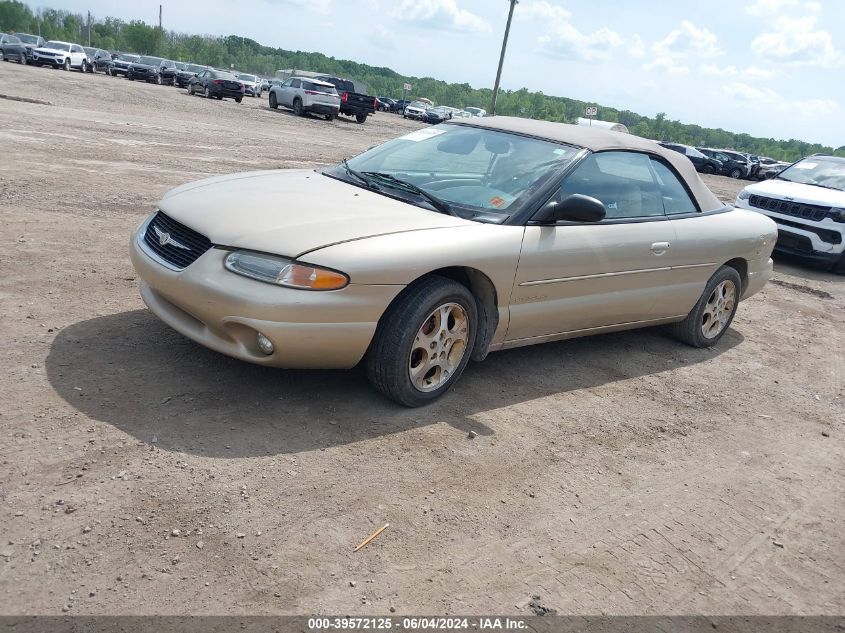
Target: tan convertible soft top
x=596, y=140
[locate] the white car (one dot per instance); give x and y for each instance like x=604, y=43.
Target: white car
x=415, y=110
x=476, y=111
x=303, y=95
x=252, y=84
x=63, y=55
x=807, y=202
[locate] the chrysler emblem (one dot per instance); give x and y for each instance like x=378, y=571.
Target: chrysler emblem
x=164, y=239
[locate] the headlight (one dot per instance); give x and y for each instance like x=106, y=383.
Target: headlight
x=837, y=214
x=743, y=195
x=284, y=272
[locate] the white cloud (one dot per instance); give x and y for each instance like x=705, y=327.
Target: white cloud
x=440, y=14
x=668, y=65
x=795, y=41
x=636, y=47
x=384, y=36
x=686, y=41
x=751, y=72
x=765, y=8
x=565, y=41
x=318, y=6
x=766, y=99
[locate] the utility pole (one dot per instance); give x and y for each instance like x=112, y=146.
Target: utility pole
x=159, y=17
x=502, y=57
x=89, y=29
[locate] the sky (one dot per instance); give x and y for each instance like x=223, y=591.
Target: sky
x=772, y=68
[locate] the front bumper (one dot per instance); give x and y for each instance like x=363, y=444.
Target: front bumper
x=42, y=60
x=225, y=311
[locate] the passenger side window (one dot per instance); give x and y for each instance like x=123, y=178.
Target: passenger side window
x=675, y=197
x=623, y=181
x=296, y=83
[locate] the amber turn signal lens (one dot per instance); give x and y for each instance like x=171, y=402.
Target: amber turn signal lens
x=312, y=278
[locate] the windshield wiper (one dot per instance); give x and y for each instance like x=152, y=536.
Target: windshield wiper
x=357, y=174
x=398, y=183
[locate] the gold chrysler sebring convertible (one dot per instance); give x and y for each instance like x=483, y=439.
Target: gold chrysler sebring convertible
x=448, y=243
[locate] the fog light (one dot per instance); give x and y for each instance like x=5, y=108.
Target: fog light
x=265, y=344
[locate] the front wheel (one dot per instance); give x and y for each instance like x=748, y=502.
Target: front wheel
x=708, y=169
x=735, y=173
x=711, y=317
x=273, y=102
x=158, y=80
x=423, y=342
x=207, y=93
x=66, y=65
x=22, y=59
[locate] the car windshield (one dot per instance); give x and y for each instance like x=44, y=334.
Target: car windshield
x=150, y=61
x=194, y=68
x=694, y=153
x=179, y=65
x=28, y=39
x=476, y=171
x=128, y=58
x=817, y=170
x=246, y=77
x=89, y=51
x=418, y=104
x=59, y=46
x=319, y=87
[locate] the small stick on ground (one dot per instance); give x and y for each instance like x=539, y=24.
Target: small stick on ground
x=372, y=536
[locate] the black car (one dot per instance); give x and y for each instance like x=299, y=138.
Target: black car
x=385, y=104
x=12, y=48
x=168, y=74
x=219, y=84
x=148, y=69
x=703, y=163
x=122, y=62
x=190, y=71
x=399, y=105
x=731, y=165
x=99, y=60
x=30, y=42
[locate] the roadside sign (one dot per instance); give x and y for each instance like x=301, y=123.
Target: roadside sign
x=592, y=110
x=407, y=87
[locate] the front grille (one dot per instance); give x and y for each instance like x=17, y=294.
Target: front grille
x=195, y=244
x=796, y=209
x=794, y=243
x=826, y=235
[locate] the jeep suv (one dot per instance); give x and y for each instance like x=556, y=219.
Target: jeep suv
x=807, y=201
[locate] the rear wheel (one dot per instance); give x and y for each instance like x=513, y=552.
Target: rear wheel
x=329, y=117
x=423, y=342
x=273, y=103
x=708, y=169
x=711, y=317
x=297, y=107
x=361, y=117
x=238, y=99
x=191, y=89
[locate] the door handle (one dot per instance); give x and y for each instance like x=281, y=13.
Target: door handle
x=659, y=248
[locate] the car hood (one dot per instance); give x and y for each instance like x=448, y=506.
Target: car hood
x=138, y=66
x=44, y=49
x=292, y=212
x=798, y=192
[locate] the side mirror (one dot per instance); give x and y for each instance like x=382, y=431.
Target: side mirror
x=574, y=208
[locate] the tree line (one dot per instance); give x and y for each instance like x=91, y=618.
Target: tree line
x=248, y=55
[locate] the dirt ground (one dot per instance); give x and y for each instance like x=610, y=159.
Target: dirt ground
x=142, y=473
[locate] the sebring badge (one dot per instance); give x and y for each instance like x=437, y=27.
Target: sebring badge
x=164, y=239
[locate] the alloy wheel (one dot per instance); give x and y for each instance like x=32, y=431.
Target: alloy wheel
x=439, y=347
x=718, y=309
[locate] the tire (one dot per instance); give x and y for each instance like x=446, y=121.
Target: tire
x=735, y=173
x=329, y=117
x=708, y=169
x=206, y=93
x=714, y=312
x=273, y=102
x=191, y=89
x=66, y=65
x=839, y=268
x=158, y=80
x=297, y=107
x=22, y=59
x=396, y=348
x=238, y=99
x=361, y=117
x=3, y=54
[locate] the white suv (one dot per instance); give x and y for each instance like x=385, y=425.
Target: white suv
x=305, y=95
x=61, y=55
x=807, y=201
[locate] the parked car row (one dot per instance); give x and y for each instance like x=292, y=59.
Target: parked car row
x=728, y=162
